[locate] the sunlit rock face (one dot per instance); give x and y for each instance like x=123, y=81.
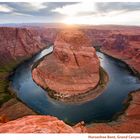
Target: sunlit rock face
x=40, y=124
x=72, y=68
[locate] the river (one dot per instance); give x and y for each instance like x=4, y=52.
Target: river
x=102, y=108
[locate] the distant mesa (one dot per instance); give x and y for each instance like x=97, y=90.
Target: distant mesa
x=72, y=68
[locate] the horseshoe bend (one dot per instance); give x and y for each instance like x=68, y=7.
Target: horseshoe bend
x=72, y=69
x=18, y=44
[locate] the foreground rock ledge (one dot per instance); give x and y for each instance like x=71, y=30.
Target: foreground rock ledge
x=128, y=122
x=40, y=124
x=72, y=68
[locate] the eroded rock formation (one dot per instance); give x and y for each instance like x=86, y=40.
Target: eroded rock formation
x=118, y=41
x=18, y=43
x=72, y=68
x=40, y=124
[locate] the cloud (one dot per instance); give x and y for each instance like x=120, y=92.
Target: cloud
x=117, y=6
x=5, y=8
x=35, y=9
x=75, y=9
x=87, y=12
x=92, y=8
x=113, y=18
x=124, y=13
x=37, y=12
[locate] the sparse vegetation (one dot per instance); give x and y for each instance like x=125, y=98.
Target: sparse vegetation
x=5, y=71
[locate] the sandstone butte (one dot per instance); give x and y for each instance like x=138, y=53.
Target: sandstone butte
x=72, y=68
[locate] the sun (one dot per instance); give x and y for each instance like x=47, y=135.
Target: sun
x=68, y=21
x=73, y=21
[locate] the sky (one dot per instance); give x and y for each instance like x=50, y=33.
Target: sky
x=87, y=12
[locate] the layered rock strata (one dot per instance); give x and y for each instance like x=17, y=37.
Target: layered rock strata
x=18, y=43
x=72, y=68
